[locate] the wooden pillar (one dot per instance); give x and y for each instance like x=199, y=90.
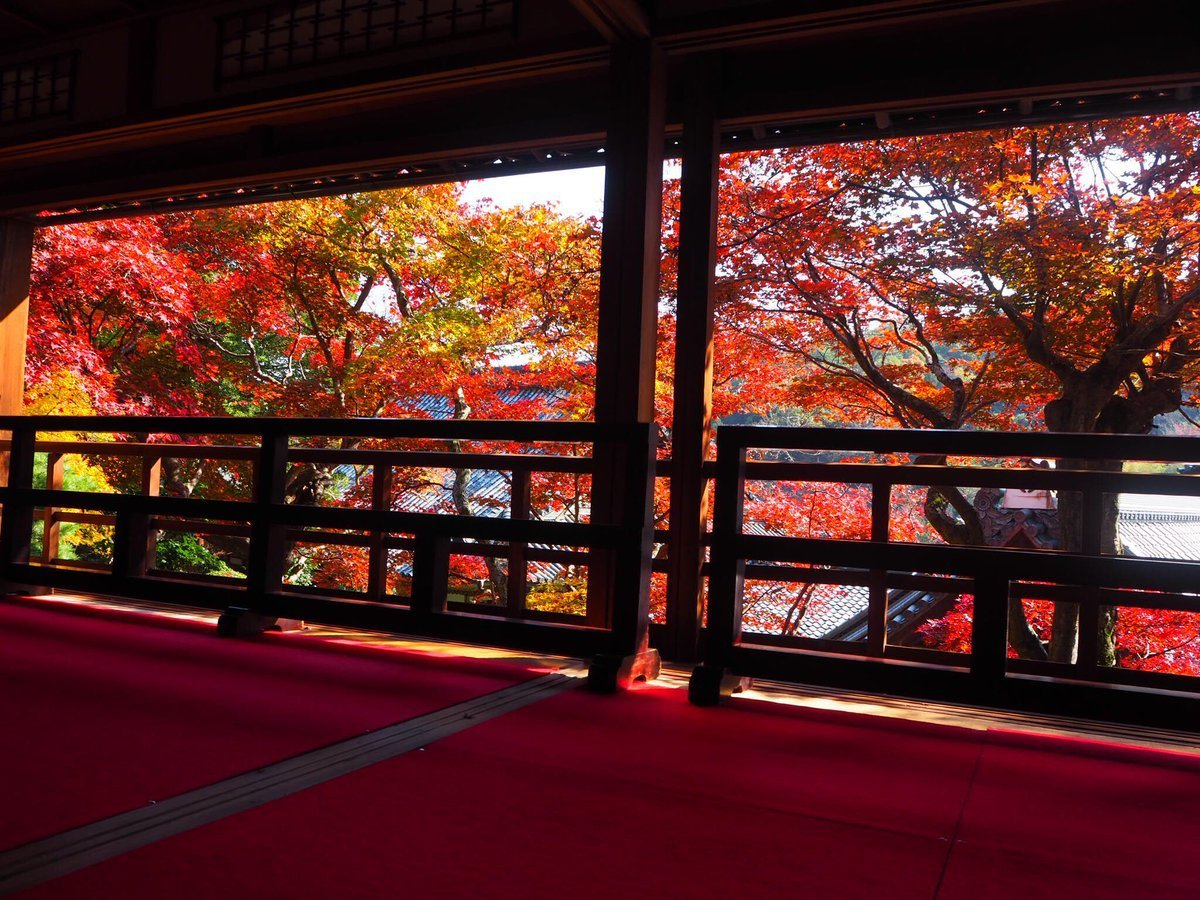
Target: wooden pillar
x=632, y=233
x=692, y=401
x=16, y=525
x=625, y=344
x=16, y=256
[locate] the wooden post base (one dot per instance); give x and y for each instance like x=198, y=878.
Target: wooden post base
x=709, y=685
x=238, y=621
x=608, y=674
x=24, y=590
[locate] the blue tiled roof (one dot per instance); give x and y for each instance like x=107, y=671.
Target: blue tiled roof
x=440, y=406
x=488, y=491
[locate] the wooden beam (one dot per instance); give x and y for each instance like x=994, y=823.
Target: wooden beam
x=15, y=15
x=692, y=400
x=141, y=65
x=747, y=24
x=475, y=130
x=616, y=20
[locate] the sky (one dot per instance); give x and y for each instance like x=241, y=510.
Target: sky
x=575, y=191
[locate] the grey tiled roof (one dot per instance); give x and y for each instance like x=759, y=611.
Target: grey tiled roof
x=831, y=606
x=488, y=490
x=1160, y=534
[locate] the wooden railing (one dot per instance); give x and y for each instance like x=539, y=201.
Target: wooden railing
x=612, y=544
x=1089, y=576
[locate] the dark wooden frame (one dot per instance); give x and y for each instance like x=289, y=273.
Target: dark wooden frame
x=985, y=676
x=614, y=628
x=238, y=24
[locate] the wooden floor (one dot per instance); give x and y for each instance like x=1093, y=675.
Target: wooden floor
x=980, y=718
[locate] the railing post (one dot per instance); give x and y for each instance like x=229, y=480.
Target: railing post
x=711, y=679
x=268, y=541
x=518, y=566
x=989, y=633
x=152, y=467
x=381, y=494
x=877, y=603
x=629, y=657
x=1087, y=659
x=134, y=543
x=608, y=487
x=51, y=528
x=16, y=524
x=431, y=568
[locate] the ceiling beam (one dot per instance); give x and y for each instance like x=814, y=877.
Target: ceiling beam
x=15, y=15
x=616, y=20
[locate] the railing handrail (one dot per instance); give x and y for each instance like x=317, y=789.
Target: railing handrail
x=447, y=459
x=435, y=429
x=1077, y=569
x=976, y=476
x=611, y=543
x=349, y=518
x=948, y=442
x=950, y=559
x=1089, y=577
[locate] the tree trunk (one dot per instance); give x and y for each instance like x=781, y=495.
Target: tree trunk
x=1064, y=632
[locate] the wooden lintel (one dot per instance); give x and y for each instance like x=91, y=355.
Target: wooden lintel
x=8, y=12
x=615, y=20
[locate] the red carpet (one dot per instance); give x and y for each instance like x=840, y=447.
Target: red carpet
x=582, y=795
x=101, y=716
x=1121, y=826
x=586, y=796
x=642, y=795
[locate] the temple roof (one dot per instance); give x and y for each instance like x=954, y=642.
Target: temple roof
x=1159, y=527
